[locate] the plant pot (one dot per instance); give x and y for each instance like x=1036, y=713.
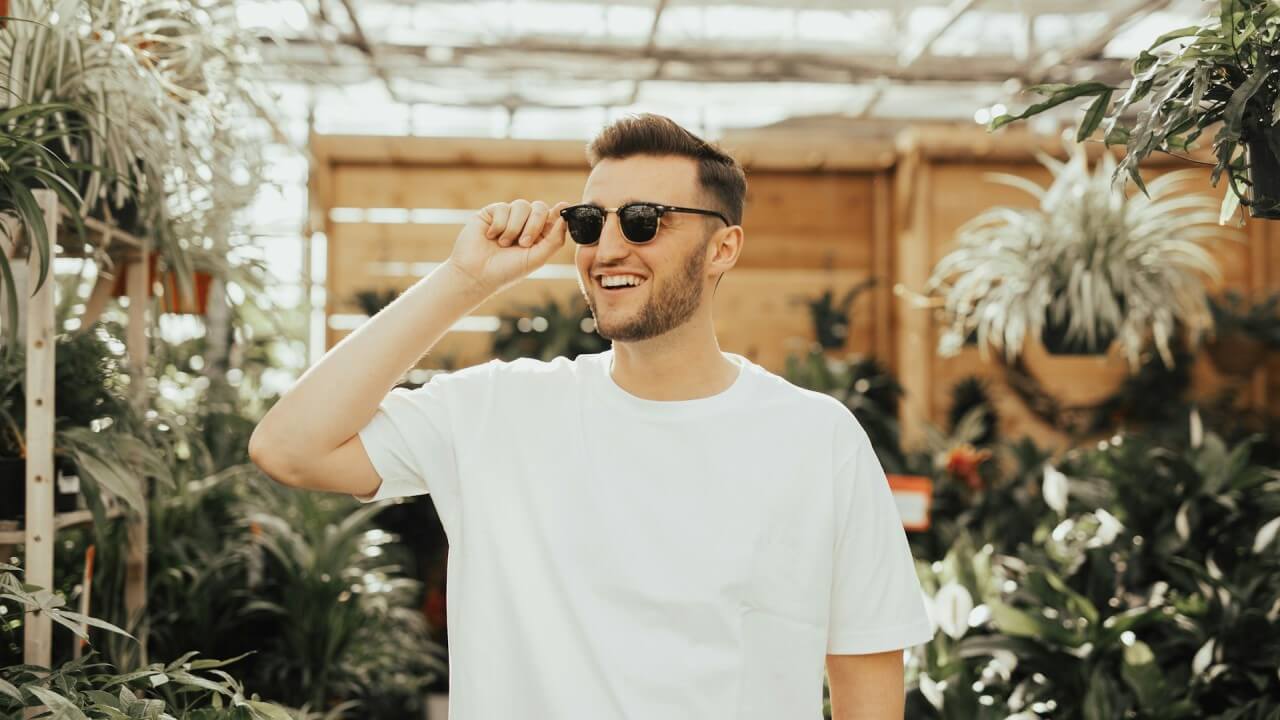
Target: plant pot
x=1236, y=353
x=66, y=490
x=1264, y=173
x=1076, y=380
x=13, y=488
x=1053, y=337
x=173, y=300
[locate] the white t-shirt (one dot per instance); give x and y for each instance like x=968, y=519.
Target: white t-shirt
x=614, y=557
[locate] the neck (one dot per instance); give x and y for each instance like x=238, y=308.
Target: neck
x=683, y=364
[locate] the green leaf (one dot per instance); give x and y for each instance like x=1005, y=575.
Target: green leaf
x=1099, y=699
x=10, y=689
x=1141, y=673
x=1230, y=205
x=268, y=711
x=1093, y=116
x=1233, y=114
x=1013, y=621
x=63, y=709
x=1060, y=94
x=1174, y=35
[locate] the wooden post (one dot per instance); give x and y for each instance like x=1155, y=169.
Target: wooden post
x=37, y=632
x=915, y=332
x=883, y=259
x=135, y=581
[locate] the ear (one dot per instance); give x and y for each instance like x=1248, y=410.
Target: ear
x=725, y=246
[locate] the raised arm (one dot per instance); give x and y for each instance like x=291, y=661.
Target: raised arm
x=309, y=437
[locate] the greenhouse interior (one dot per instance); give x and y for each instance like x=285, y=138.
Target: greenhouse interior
x=366, y=359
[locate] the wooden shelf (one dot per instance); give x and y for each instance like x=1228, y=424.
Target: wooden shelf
x=60, y=521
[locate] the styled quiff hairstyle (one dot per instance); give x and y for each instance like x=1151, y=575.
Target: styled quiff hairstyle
x=721, y=177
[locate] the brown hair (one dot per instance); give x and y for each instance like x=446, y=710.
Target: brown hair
x=720, y=176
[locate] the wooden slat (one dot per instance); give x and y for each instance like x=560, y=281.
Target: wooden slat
x=39, y=522
x=461, y=188
x=771, y=151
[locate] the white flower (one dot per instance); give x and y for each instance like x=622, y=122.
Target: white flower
x=1055, y=489
x=952, y=606
x=931, y=691
x=1108, y=528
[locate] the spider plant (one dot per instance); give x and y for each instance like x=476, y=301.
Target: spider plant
x=171, y=128
x=1088, y=266
x=26, y=165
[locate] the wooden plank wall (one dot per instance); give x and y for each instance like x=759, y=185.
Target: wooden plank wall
x=814, y=219
x=820, y=213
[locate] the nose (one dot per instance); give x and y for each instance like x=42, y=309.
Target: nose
x=612, y=244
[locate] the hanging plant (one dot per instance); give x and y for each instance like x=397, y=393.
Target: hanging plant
x=1090, y=265
x=1223, y=72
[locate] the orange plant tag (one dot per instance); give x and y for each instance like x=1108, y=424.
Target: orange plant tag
x=914, y=495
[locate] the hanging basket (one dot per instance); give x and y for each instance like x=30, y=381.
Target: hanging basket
x=1264, y=173
x=174, y=302
x=1076, y=380
x=1236, y=353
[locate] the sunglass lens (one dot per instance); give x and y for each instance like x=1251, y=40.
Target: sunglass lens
x=585, y=224
x=639, y=222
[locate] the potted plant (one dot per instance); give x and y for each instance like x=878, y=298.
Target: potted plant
x=1087, y=277
x=547, y=331
x=92, y=440
x=173, y=285
x=1223, y=72
x=830, y=317
x=1243, y=333
x=372, y=300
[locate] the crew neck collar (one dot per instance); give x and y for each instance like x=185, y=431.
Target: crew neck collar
x=729, y=397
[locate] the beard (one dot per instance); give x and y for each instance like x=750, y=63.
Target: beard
x=670, y=304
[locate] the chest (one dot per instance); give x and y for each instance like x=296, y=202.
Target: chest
x=664, y=514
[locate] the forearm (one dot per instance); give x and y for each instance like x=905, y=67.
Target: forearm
x=338, y=396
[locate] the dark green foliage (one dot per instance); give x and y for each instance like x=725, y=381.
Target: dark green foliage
x=1151, y=593
x=547, y=331
x=371, y=302
x=1219, y=74
x=968, y=394
x=831, y=318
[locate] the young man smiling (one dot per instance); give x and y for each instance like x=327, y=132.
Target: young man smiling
x=660, y=531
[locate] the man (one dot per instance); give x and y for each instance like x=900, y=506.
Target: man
x=662, y=531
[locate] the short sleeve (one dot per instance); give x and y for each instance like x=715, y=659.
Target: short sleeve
x=412, y=438
x=876, y=601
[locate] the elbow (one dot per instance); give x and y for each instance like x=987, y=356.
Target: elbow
x=266, y=454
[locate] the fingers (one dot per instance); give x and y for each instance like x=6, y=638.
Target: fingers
x=534, y=226
x=553, y=236
x=520, y=221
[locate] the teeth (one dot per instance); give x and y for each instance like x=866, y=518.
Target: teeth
x=620, y=280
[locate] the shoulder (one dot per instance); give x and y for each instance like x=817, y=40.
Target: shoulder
x=779, y=393
x=813, y=412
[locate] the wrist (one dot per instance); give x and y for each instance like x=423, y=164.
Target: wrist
x=463, y=282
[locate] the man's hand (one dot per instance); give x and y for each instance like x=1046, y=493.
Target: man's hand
x=504, y=242
x=866, y=687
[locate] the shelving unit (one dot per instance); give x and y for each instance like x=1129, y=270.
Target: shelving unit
x=37, y=318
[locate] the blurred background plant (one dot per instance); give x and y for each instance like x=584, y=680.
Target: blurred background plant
x=1089, y=266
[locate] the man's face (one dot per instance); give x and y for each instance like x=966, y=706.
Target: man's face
x=672, y=265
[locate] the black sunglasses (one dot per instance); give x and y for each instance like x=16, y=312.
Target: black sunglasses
x=639, y=220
